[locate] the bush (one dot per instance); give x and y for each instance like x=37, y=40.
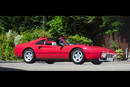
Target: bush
x=81, y=40
x=17, y=39
x=26, y=37
x=7, y=48
x=114, y=45
x=35, y=34
x=120, y=54
x=2, y=37
x=57, y=26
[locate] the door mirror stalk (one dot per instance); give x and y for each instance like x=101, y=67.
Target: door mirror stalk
x=39, y=47
x=61, y=44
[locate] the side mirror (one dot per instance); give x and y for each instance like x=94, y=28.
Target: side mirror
x=61, y=44
x=39, y=47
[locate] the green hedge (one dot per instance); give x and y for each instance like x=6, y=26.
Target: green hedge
x=10, y=39
x=81, y=40
x=7, y=48
x=35, y=34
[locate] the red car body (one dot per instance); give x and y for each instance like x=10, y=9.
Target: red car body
x=44, y=51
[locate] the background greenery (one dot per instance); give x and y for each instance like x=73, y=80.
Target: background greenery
x=19, y=29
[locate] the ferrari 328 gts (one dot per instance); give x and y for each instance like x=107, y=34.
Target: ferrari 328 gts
x=51, y=50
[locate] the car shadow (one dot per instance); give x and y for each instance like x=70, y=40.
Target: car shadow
x=10, y=69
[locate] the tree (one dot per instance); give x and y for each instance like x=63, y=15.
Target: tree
x=57, y=26
x=44, y=22
x=20, y=23
x=110, y=24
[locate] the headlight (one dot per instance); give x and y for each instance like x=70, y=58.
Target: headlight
x=103, y=55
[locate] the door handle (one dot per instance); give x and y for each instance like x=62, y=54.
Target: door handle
x=39, y=47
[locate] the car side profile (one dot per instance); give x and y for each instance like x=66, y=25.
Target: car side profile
x=51, y=50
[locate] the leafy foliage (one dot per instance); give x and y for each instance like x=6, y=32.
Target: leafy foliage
x=81, y=40
x=19, y=23
x=57, y=26
x=35, y=34
x=62, y=25
x=7, y=48
x=110, y=24
x=120, y=54
x=80, y=25
x=17, y=39
x=114, y=45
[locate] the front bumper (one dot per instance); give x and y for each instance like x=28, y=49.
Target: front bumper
x=109, y=57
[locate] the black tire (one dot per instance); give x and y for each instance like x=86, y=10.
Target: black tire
x=25, y=53
x=50, y=62
x=97, y=62
x=81, y=60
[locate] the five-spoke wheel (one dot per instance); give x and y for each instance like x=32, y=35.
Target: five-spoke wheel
x=29, y=56
x=77, y=56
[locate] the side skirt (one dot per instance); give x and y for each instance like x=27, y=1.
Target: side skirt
x=90, y=60
x=54, y=59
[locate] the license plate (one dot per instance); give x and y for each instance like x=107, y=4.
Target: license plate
x=110, y=59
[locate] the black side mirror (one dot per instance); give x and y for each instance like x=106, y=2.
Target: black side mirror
x=39, y=47
x=61, y=44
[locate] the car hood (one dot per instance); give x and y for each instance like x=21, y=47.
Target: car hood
x=98, y=49
x=94, y=49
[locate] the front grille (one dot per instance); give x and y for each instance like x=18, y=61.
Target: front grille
x=109, y=55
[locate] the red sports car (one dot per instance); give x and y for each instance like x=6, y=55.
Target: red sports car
x=52, y=49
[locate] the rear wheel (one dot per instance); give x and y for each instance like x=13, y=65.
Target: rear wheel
x=50, y=62
x=77, y=56
x=29, y=56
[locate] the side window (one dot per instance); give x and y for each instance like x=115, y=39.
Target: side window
x=41, y=42
x=51, y=41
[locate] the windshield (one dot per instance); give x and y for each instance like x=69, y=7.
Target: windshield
x=71, y=41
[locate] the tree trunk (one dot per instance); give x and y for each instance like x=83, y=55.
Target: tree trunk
x=44, y=22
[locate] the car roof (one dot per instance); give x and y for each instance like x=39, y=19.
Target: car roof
x=52, y=38
x=41, y=38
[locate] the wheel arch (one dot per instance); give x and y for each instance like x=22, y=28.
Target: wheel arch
x=26, y=49
x=72, y=50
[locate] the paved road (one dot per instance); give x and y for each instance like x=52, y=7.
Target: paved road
x=65, y=66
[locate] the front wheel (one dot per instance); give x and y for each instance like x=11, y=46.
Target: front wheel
x=96, y=62
x=77, y=56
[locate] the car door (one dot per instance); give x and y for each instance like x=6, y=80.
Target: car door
x=48, y=50
x=63, y=50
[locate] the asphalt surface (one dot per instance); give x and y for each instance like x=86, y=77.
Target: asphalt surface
x=64, y=66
